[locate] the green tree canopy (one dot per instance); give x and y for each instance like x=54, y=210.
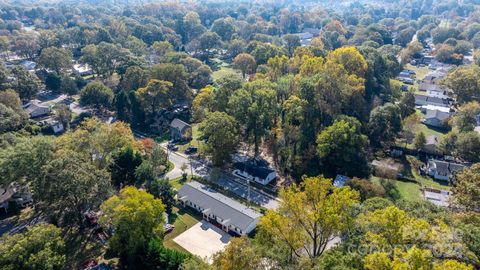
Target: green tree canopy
x=137, y=218
x=41, y=248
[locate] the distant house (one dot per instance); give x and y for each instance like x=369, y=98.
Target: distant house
x=180, y=131
x=340, y=180
x=314, y=31
x=56, y=126
x=14, y=194
x=437, y=93
x=436, y=118
x=426, y=86
x=82, y=69
x=35, y=110
x=28, y=65
x=230, y=215
x=421, y=100
x=254, y=172
x=426, y=108
x=305, y=38
x=5, y=196
x=443, y=170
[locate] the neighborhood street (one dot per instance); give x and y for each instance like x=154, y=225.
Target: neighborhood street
x=228, y=182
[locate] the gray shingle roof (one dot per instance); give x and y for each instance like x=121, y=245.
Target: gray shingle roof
x=442, y=116
x=177, y=123
x=229, y=210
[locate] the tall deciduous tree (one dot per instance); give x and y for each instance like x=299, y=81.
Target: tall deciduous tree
x=466, y=189
x=40, y=247
x=239, y=254
x=55, y=59
x=68, y=186
x=137, y=217
x=123, y=166
x=465, y=83
x=245, y=62
x=341, y=147
x=384, y=124
x=310, y=215
x=155, y=95
x=96, y=94
x=220, y=132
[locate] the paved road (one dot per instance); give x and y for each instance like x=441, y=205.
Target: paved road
x=225, y=180
x=241, y=189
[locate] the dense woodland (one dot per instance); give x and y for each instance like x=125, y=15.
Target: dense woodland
x=330, y=107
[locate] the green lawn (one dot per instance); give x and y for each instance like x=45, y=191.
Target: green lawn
x=428, y=131
x=183, y=219
x=195, y=142
x=225, y=71
x=421, y=72
x=408, y=191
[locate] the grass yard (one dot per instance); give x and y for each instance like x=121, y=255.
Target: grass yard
x=183, y=219
x=177, y=183
x=408, y=191
x=225, y=71
x=195, y=142
x=421, y=72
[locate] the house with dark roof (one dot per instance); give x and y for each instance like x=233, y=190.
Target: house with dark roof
x=443, y=170
x=180, y=131
x=230, y=215
x=436, y=118
x=252, y=171
x=421, y=100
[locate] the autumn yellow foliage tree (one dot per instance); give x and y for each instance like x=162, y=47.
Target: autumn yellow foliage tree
x=310, y=215
x=136, y=216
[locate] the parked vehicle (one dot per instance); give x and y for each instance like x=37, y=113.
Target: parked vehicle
x=172, y=147
x=191, y=150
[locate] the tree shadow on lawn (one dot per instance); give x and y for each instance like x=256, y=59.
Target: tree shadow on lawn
x=81, y=246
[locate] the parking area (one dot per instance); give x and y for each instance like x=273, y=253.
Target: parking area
x=203, y=240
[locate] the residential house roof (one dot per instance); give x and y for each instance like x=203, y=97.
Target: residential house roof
x=432, y=100
x=304, y=35
x=179, y=124
x=340, y=180
x=437, y=114
x=445, y=167
x=254, y=170
x=229, y=210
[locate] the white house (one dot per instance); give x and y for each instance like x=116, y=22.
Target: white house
x=57, y=126
x=229, y=214
x=36, y=110
x=436, y=118
x=426, y=108
x=443, y=170
x=82, y=69
x=28, y=65
x=249, y=171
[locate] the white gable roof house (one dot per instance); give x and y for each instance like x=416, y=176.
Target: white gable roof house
x=436, y=118
x=34, y=109
x=231, y=215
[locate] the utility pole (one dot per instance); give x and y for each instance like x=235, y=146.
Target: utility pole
x=248, y=196
x=191, y=166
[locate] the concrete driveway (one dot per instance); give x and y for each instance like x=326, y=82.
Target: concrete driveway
x=203, y=240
